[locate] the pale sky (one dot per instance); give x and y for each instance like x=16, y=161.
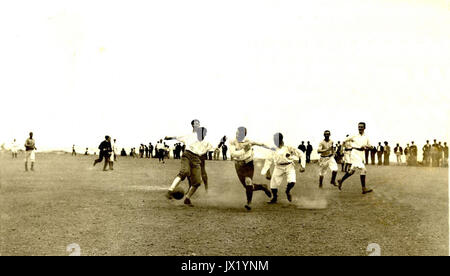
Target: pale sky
x=74, y=71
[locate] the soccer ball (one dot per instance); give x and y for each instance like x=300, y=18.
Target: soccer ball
x=178, y=193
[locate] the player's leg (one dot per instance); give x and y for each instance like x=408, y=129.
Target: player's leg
x=245, y=181
x=275, y=182
x=106, y=163
x=32, y=159
x=100, y=159
x=204, y=174
x=196, y=179
x=27, y=157
x=363, y=172
x=347, y=175
x=322, y=171
x=291, y=179
x=185, y=171
x=332, y=165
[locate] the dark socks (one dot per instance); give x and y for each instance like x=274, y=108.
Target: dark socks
x=363, y=181
x=249, y=193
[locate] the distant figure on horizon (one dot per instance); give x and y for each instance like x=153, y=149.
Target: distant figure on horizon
x=224, y=151
x=150, y=150
x=413, y=153
x=309, y=150
x=373, y=153
x=398, y=151
x=445, y=154
x=426, y=149
x=387, y=153
x=380, y=151
x=302, y=147
x=105, y=152
x=30, y=152
x=86, y=152
x=73, y=151
x=14, y=149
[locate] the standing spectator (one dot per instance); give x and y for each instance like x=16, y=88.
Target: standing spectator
x=338, y=153
x=373, y=153
x=440, y=154
x=224, y=151
x=445, y=154
x=105, y=152
x=150, y=150
x=387, y=153
x=407, y=153
x=309, y=150
x=161, y=151
x=302, y=147
x=86, y=152
x=398, y=152
x=216, y=153
x=30, y=152
x=413, y=153
x=123, y=153
x=380, y=151
x=14, y=149
x=113, y=157
x=366, y=155
x=146, y=151
x=210, y=155
x=427, y=154
x=73, y=151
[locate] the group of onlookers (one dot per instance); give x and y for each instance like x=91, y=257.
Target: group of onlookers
x=434, y=155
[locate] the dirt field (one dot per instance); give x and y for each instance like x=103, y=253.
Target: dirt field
x=124, y=212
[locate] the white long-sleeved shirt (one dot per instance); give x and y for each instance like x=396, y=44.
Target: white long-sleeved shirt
x=358, y=143
x=284, y=155
x=194, y=145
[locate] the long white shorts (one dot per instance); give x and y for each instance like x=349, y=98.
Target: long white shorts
x=325, y=163
x=357, y=159
x=281, y=171
x=30, y=155
x=347, y=157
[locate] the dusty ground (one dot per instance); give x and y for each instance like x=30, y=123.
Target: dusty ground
x=124, y=212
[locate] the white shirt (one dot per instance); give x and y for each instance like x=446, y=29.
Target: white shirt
x=284, y=155
x=194, y=145
x=359, y=141
x=159, y=146
x=238, y=152
x=14, y=146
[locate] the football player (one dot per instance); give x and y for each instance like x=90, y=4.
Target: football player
x=241, y=150
x=327, y=160
x=283, y=160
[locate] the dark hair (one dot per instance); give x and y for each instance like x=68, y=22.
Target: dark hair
x=327, y=131
x=192, y=122
x=106, y=137
x=362, y=123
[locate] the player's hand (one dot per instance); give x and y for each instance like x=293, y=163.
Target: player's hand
x=302, y=170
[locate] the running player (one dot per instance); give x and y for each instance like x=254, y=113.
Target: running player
x=196, y=146
x=327, y=159
x=283, y=159
x=359, y=143
x=242, y=153
x=347, y=155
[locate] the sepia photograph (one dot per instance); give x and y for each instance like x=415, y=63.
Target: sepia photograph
x=224, y=132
